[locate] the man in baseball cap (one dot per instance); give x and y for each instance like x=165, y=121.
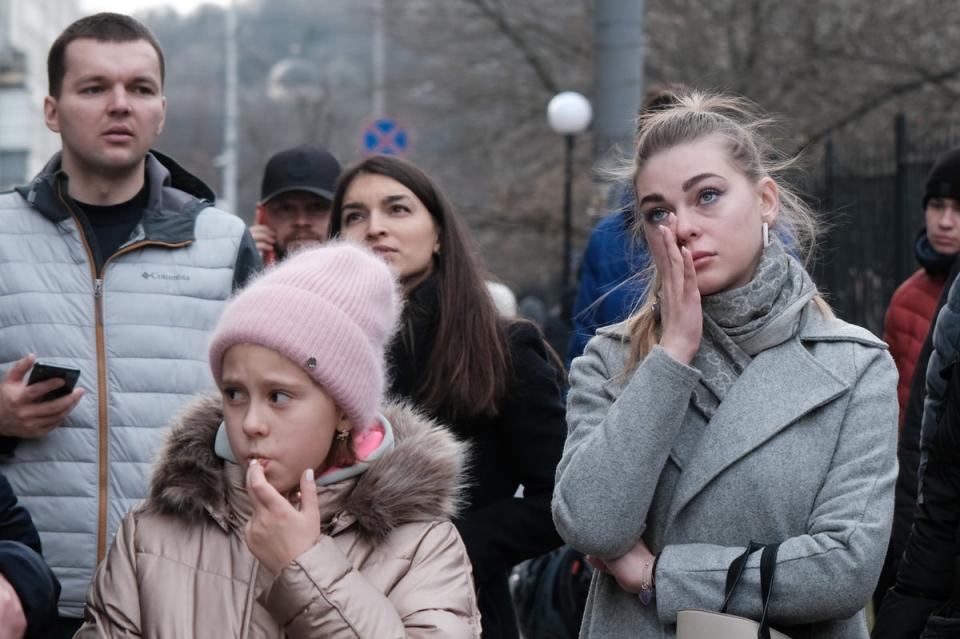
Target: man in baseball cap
x=294, y=207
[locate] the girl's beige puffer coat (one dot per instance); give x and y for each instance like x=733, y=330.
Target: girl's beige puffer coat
x=389, y=564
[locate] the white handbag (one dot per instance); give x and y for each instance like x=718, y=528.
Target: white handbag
x=706, y=624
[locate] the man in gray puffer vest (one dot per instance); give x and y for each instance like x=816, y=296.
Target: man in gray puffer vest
x=114, y=262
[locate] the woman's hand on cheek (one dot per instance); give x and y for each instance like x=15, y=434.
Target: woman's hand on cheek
x=681, y=315
x=278, y=533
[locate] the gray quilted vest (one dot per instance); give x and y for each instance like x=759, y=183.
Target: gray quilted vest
x=138, y=333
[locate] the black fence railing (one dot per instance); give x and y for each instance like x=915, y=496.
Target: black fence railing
x=871, y=202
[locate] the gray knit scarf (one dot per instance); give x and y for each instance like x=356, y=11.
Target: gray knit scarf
x=741, y=322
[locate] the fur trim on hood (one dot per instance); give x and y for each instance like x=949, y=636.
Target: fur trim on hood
x=421, y=479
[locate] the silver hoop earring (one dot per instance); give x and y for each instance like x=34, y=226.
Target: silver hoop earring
x=766, y=234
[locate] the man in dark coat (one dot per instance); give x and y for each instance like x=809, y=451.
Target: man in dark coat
x=28, y=589
x=925, y=600
x=908, y=456
x=942, y=188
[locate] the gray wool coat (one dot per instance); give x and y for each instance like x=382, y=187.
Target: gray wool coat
x=802, y=451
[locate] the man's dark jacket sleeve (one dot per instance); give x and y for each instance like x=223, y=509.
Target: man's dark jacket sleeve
x=22, y=565
x=927, y=575
x=908, y=455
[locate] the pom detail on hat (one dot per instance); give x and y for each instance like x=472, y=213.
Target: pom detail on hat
x=331, y=310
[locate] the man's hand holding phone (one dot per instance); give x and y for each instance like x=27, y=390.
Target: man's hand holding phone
x=23, y=411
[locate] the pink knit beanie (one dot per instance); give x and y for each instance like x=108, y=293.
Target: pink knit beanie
x=332, y=310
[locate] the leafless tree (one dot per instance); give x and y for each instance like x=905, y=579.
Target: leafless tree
x=470, y=79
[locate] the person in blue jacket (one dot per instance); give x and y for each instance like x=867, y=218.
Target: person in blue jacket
x=609, y=288
x=28, y=588
x=609, y=285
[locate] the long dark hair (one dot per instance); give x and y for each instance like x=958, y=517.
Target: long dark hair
x=469, y=360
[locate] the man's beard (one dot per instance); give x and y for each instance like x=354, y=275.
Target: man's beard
x=299, y=240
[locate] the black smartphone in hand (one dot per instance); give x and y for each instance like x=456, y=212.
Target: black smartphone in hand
x=42, y=372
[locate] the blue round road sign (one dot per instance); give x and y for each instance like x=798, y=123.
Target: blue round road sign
x=386, y=137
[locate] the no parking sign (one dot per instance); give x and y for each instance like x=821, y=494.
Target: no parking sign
x=385, y=137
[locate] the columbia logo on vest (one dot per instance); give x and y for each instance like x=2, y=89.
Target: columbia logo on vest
x=164, y=276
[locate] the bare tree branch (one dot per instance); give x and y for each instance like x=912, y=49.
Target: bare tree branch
x=499, y=19
x=876, y=101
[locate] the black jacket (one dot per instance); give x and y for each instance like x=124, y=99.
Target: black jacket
x=908, y=456
x=22, y=565
x=521, y=446
x=927, y=580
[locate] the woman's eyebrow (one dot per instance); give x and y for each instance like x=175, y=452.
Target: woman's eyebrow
x=686, y=186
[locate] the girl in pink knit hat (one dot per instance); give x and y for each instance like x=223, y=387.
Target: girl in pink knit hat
x=297, y=503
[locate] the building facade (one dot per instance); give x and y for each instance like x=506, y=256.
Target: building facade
x=27, y=28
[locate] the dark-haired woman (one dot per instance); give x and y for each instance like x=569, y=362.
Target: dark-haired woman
x=493, y=382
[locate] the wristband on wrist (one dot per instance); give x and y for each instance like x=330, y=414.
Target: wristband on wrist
x=646, y=583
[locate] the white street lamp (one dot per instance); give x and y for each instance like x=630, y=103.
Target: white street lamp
x=568, y=113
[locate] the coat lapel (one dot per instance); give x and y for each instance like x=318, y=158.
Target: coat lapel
x=760, y=404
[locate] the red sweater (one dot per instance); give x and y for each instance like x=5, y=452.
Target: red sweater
x=907, y=322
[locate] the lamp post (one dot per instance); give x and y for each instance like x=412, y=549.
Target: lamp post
x=568, y=113
x=227, y=161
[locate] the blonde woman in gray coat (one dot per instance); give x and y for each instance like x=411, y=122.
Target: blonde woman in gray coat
x=732, y=406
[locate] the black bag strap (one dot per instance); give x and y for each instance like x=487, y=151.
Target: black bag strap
x=768, y=567
x=735, y=572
